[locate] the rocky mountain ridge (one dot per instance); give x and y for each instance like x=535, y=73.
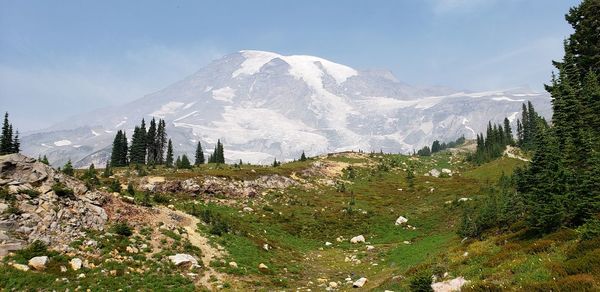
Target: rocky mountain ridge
x=264, y=105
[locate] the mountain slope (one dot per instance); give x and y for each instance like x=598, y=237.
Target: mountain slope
x=264, y=105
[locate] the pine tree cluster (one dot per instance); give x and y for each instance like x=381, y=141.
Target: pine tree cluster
x=199, y=154
x=9, y=140
x=147, y=147
x=528, y=127
x=493, y=144
x=436, y=146
x=561, y=186
x=218, y=155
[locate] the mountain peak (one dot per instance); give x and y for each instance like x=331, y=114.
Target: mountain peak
x=306, y=67
x=264, y=105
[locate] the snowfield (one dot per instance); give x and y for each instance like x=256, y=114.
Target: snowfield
x=264, y=105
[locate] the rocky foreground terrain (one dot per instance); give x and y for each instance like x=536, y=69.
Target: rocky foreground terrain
x=335, y=222
x=44, y=204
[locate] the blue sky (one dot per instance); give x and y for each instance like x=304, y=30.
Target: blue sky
x=59, y=58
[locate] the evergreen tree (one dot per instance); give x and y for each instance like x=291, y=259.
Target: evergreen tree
x=137, y=152
x=91, y=177
x=152, y=143
x=303, y=156
x=16, y=143
x=6, y=140
x=169, y=159
x=107, y=170
x=44, y=160
x=276, y=163
x=542, y=186
x=184, y=163
x=425, y=151
x=161, y=141
x=178, y=162
x=199, y=154
x=525, y=141
x=68, y=168
x=435, y=147
x=218, y=155
x=508, y=133
x=220, y=152
x=118, y=156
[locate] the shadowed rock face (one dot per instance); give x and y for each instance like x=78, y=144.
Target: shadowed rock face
x=38, y=212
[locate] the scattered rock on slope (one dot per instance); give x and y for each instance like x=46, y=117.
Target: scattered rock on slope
x=401, y=220
x=449, y=285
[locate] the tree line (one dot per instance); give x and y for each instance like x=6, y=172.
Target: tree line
x=561, y=185
x=148, y=148
x=436, y=146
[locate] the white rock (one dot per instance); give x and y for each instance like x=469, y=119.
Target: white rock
x=434, y=172
x=3, y=207
x=333, y=284
x=464, y=199
x=38, y=263
x=406, y=242
x=359, y=283
x=449, y=285
x=183, y=259
x=248, y=209
x=233, y=265
x=357, y=239
x=266, y=247
x=447, y=171
x=21, y=267
x=81, y=276
x=75, y=264
x=370, y=247
x=401, y=220
x=263, y=268
x=466, y=254
x=327, y=243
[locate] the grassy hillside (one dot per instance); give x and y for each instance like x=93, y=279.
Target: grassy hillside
x=338, y=197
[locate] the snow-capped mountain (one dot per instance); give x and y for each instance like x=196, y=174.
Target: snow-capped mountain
x=263, y=105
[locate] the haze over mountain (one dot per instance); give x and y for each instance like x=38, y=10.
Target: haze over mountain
x=263, y=105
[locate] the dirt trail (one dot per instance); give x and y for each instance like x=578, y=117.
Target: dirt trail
x=209, y=252
x=510, y=152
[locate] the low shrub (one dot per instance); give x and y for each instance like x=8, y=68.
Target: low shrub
x=121, y=228
x=31, y=193
x=581, y=282
x=421, y=283
x=36, y=248
x=589, y=230
x=538, y=246
x=115, y=186
x=62, y=190
x=585, y=263
x=13, y=209
x=161, y=198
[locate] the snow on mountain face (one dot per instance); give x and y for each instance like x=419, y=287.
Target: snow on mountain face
x=263, y=105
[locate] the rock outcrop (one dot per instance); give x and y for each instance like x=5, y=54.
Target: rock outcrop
x=220, y=186
x=46, y=205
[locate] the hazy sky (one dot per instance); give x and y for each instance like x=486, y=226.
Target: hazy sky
x=59, y=58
